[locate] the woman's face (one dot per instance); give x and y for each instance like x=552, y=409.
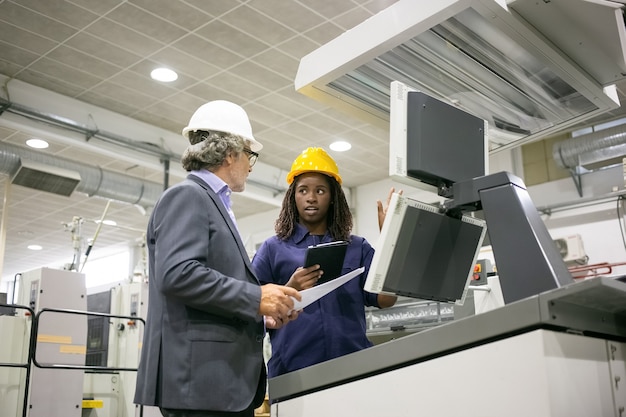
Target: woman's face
x=313, y=198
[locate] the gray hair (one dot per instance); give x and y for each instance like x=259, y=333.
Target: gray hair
x=209, y=149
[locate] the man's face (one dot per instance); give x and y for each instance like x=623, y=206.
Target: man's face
x=239, y=170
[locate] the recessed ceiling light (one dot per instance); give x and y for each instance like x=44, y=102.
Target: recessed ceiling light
x=108, y=222
x=37, y=143
x=164, y=74
x=340, y=146
x=35, y=247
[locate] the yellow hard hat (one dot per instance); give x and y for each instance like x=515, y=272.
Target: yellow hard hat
x=313, y=160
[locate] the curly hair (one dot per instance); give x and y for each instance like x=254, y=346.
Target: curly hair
x=339, y=217
x=209, y=149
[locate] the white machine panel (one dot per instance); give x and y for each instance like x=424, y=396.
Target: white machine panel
x=61, y=340
x=15, y=332
x=117, y=390
x=540, y=373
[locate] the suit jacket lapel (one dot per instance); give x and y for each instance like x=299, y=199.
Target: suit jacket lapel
x=233, y=229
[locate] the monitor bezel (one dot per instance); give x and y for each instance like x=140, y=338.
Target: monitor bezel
x=385, y=248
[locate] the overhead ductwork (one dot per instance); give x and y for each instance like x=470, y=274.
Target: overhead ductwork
x=46, y=178
x=261, y=172
x=93, y=181
x=530, y=68
x=65, y=123
x=593, y=148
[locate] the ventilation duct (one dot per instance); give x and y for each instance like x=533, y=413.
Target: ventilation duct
x=65, y=123
x=142, y=147
x=593, y=148
x=39, y=169
x=46, y=178
x=530, y=68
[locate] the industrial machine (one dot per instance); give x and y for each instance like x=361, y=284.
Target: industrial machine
x=59, y=339
x=553, y=354
x=542, y=345
x=115, y=351
x=14, y=363
x=85, y=348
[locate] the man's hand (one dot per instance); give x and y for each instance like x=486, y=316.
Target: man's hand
x=304, y=278
x=277, y=305
x=382, y=211
x=272, y=323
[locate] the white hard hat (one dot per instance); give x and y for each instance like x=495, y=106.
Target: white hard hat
x=223, y=116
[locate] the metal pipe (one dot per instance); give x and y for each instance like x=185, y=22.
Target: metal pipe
x=89, y=133
x=148, y=148
x=587, y=149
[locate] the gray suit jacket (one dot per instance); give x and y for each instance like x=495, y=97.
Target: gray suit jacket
x=203, y=341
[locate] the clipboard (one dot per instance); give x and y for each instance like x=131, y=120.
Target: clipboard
x=329, y=256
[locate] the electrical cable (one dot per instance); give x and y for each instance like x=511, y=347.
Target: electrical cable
x=14, y=284
x=95, y=236
x=73, y=264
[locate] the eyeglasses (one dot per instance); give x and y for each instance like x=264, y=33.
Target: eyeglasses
x=252, y=156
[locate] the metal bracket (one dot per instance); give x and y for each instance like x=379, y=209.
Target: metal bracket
x=4, y=106
x=617, y=369
x=578, y=181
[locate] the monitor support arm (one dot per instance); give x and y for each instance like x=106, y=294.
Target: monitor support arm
x=527, y=260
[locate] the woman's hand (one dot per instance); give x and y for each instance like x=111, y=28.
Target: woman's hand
x=304, y=278
x=382, y=210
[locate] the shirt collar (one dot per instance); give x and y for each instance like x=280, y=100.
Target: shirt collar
x=301, y=233
x=216, y=183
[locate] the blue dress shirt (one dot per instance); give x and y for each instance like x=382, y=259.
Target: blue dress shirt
x=221, y=189
x=330, y=327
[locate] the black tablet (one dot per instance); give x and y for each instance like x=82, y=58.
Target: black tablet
x=329, y=256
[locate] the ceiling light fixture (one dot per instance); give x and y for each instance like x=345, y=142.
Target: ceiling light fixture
x=340, y=146
x=35, y=247
x=108, y=222
x=37, y=143
x=165, y=75
x=529, y=68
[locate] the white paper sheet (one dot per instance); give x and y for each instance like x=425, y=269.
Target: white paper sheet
x=312, y=294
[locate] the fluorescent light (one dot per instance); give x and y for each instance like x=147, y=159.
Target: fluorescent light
x=108, y=222
x=35, y=247
x=165, y=75
x=37, y=143
x=340, y=146
x=491, y=61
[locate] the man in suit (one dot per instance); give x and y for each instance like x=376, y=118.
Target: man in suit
x=202, y=350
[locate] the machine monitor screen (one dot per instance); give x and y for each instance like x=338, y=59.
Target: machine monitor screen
x=425, y=254
x=433, y=142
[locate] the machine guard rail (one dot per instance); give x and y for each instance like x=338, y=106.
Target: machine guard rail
x=83, y=313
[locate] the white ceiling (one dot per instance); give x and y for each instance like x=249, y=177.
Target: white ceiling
x=98, y=54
